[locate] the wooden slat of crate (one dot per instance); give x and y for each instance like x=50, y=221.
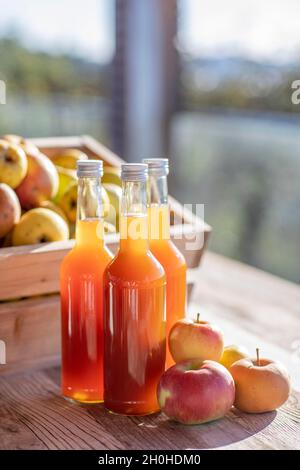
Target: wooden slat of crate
x=30, y=329
x=51, y=145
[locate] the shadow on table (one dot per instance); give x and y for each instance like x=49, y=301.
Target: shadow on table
x=158, y=432
x=234, y=428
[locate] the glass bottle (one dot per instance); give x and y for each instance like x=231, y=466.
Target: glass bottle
x=162, y=246
x=81, y=287
x=134, y=319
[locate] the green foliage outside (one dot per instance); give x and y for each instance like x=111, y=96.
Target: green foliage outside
x=38, y=73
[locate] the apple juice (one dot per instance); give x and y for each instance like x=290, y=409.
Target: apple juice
x=81, y=288
x=162, y=247
x=134, y=319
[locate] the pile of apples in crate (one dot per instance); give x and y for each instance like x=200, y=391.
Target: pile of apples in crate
x=38, y=195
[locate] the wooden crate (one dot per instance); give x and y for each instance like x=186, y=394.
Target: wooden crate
x=29, y=275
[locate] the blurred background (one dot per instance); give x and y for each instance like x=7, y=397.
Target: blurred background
x=207, y=83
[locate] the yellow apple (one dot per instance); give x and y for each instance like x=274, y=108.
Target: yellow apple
x=112, y=175
x=261, y=385
x=40, y=225
x=13, y=164
x=55, y=208
x=66, y=178
x=68, y=203
x=27, y=146
x=232, y=354
x=68, y=158
x=14, y=139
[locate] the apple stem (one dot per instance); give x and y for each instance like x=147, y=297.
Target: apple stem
x=198, y=317
x=257, y=356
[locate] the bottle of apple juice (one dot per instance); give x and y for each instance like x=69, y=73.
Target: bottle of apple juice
x=134, y=299
x=162, y=246
x=81, y=288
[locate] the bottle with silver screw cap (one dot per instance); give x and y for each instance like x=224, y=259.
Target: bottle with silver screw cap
x=134, y=320
x=81, y=288
x=161, y=244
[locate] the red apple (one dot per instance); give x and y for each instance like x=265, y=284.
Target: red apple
x=195, y=392
x=40, y=183
x=261, y=384
x=10, y=210
x=195, y=339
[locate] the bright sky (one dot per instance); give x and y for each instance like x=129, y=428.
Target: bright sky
x=81, y=26
x=262, y=29
x=259, y=29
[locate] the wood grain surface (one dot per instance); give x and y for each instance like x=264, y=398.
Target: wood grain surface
x=252, y=307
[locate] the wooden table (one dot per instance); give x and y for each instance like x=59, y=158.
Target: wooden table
x=252, y=307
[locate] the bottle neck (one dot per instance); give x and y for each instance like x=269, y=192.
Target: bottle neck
x=159, y=214
x=89, y=224
x=134, y=217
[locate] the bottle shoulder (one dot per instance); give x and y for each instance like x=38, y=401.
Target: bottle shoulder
x=78, y=260
x=168, y=254
x=135, y=268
